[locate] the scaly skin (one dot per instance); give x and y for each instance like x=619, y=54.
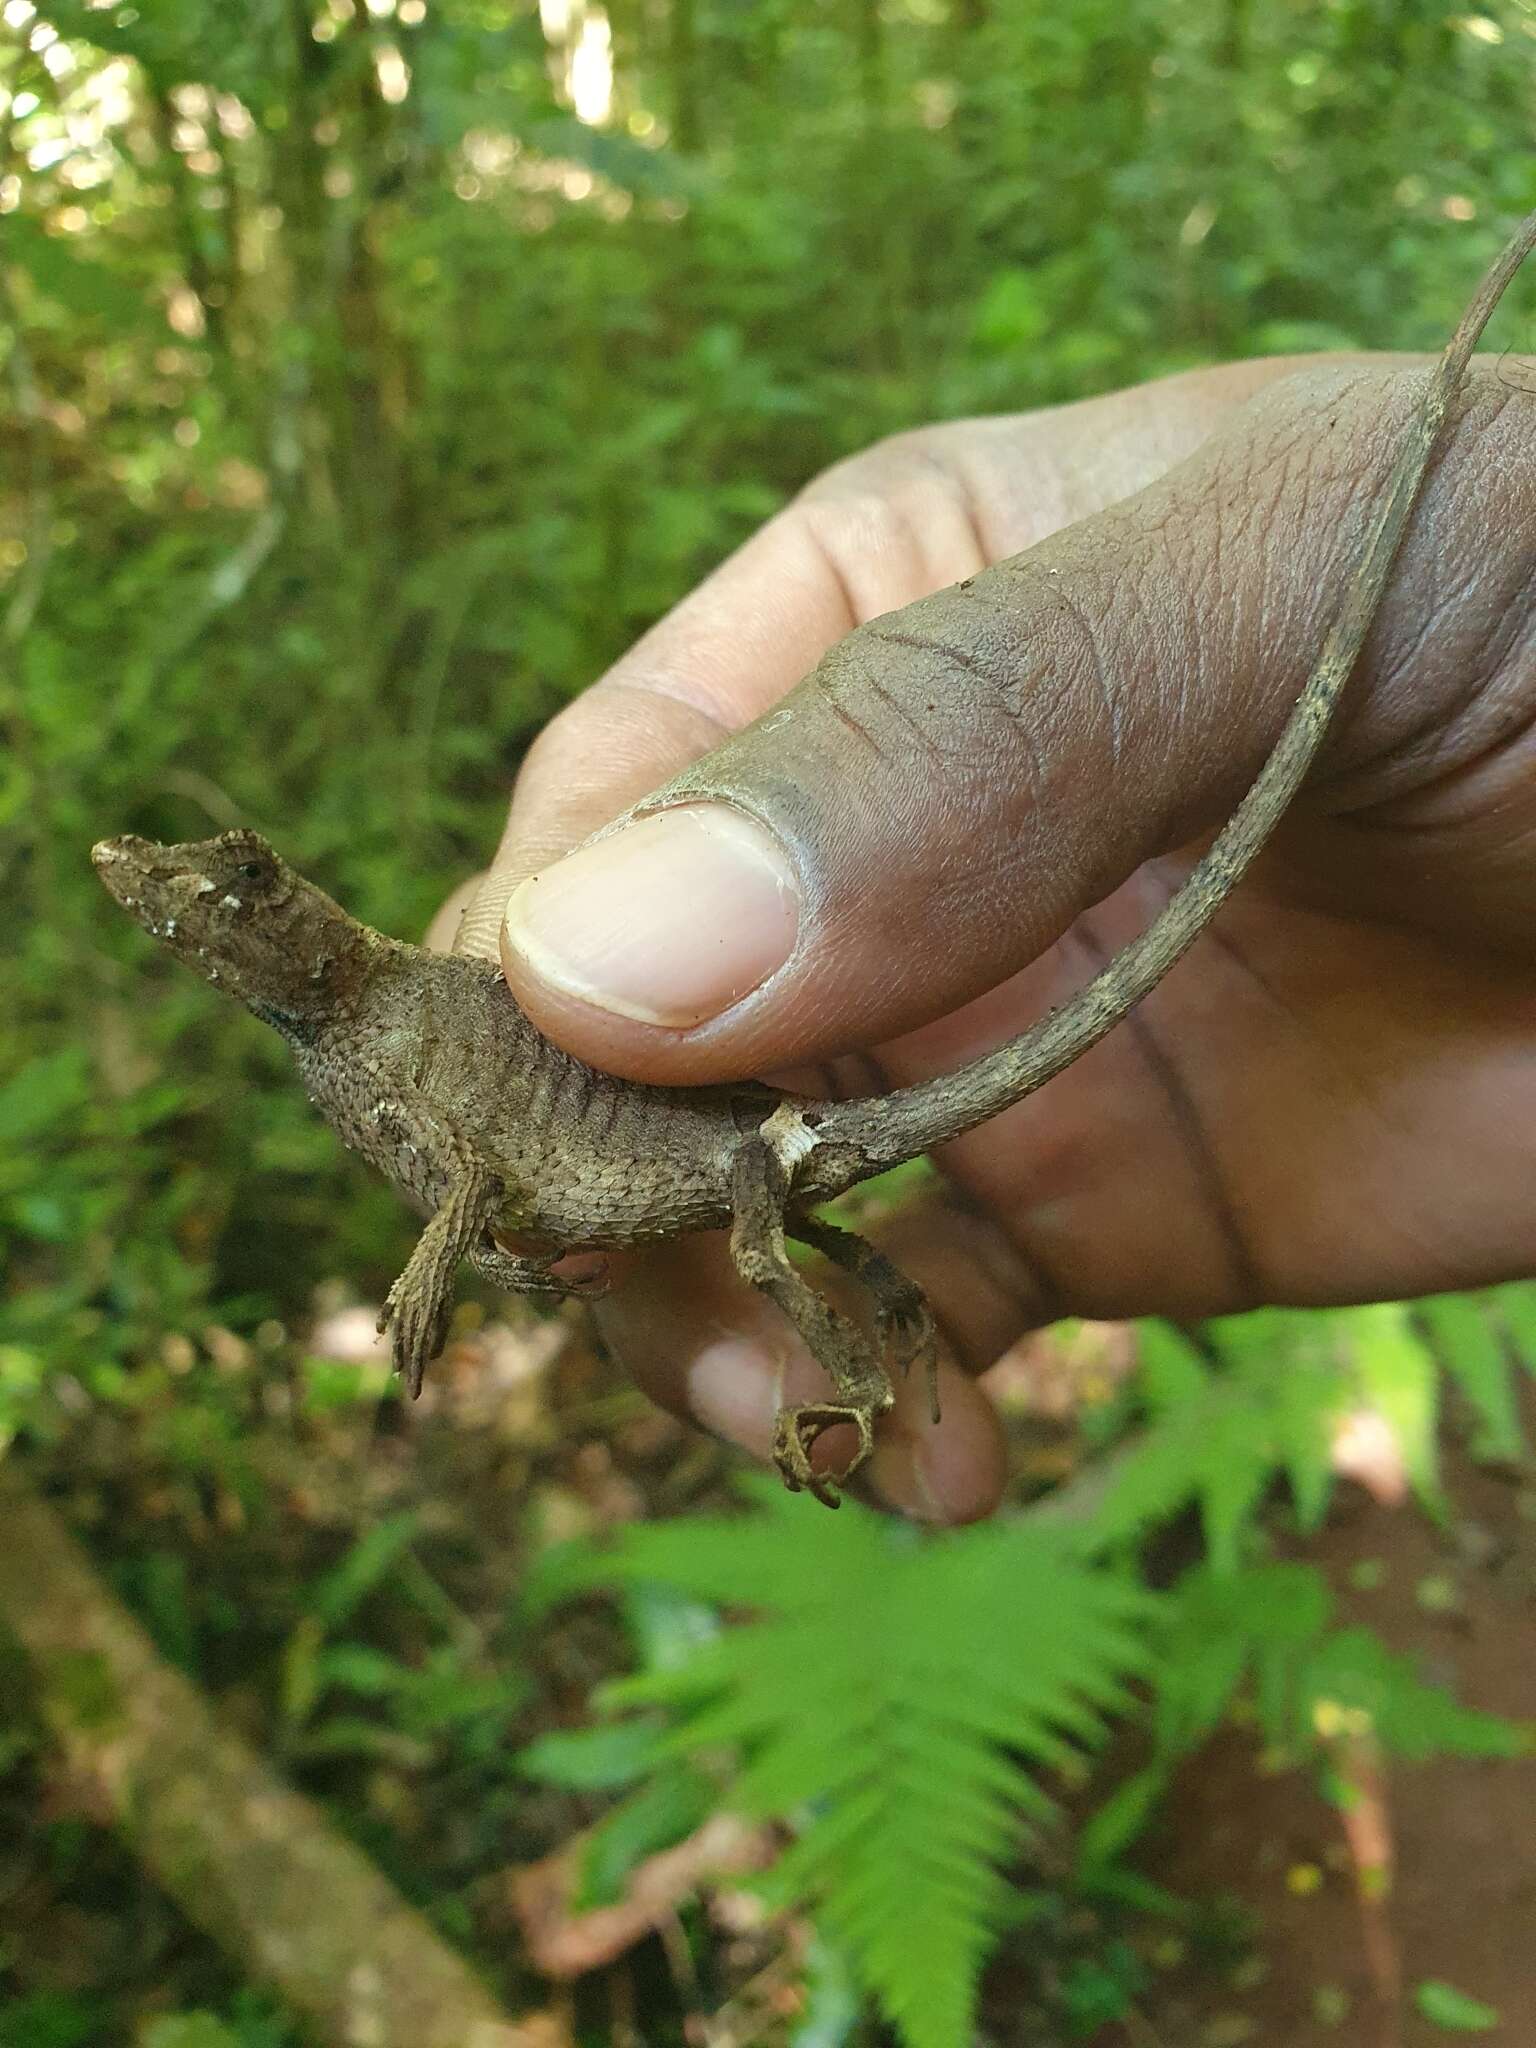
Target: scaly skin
x=518, y=1153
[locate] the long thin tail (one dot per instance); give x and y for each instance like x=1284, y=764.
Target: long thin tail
x=885, y=1130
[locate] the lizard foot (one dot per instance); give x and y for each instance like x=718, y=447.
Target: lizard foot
x=795, y=1430
x=522, y=1273
x=420, y=1329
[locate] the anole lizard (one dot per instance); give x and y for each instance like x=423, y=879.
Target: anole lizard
x=424, y=1063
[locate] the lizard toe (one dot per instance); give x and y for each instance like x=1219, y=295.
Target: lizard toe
x=795, y=1433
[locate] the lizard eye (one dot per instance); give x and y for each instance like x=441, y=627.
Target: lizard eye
x=252, y=870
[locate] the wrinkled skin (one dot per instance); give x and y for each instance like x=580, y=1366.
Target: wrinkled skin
x=1332, y=1098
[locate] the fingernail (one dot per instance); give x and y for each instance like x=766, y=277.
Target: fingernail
x=670, y=921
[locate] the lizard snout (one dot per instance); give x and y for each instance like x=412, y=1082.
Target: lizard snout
x=120, y=864
x=145, y=880
x=107, y=853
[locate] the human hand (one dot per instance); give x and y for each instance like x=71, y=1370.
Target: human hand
x=1327, y=1101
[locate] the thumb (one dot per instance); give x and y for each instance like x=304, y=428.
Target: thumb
x=958, y=780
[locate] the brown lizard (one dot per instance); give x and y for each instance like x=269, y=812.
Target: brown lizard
x=424, y=1063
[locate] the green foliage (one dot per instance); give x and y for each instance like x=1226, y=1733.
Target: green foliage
x=1264, y=1631
x=57, y=2020
x=342, y=1697
x=1260, y=1403
x=1262, y=1398
x=1480, y=1340
x=904, y=1700
x=49, y=2019
x=876, y=1697
x=346, y=432
x=671, y=1798
x=1444, y=2006
x=188, y=2030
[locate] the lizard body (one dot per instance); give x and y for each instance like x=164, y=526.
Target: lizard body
x=518, y=1153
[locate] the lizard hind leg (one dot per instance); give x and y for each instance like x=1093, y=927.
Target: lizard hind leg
x=861, y=1385
x=908, y=1333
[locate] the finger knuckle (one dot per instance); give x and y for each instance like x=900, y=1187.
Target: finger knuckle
x=899, y=516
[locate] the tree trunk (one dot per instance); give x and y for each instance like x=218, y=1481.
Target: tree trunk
x=252, y=1863
x=683, y=72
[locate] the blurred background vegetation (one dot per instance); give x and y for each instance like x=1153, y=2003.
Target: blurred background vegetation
x=374, y=371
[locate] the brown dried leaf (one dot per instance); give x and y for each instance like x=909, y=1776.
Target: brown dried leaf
x=566, y=1944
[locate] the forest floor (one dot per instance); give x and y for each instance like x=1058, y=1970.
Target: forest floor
x=1274, y=1949
x=1462, y=1903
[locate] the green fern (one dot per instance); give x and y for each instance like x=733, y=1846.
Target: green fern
x=889, y=1697
x=896, y=1696
x=1479, y=1339
x=1268, y=1628
x=1273, y=1623
x=1217, y=1432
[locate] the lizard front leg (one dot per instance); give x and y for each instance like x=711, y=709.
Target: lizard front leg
x=759, y=1189
x=420, y=1301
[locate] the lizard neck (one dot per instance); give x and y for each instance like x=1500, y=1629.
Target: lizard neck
x=314, y=975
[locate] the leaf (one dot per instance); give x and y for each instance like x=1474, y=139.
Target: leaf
x=833, y=2009
x=1013, y=313
x=51, y=2019
x=1170, y=1371
x=358, y=1667
x=1214, y=1451
x=1467, y=1346
x=187, y=2030
x=1224, y=1624
x=1354, y=1671
x=1444, y=2006
x=667, y=1627
x=1396, y=1373
x=337, y=1595
x=1109, y=1832
x=591, y=1759
x=661, y=1814
x=350, y=1735
x=1515, y=1306
x=890, y=1694
x=34, y=1100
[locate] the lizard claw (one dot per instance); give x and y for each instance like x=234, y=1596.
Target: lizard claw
x=795, y=1430
x=419, y=1333
x=911, y=1337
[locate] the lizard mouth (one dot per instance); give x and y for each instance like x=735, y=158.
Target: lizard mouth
x=154, y=891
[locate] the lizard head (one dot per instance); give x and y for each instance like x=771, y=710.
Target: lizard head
x=237, y=914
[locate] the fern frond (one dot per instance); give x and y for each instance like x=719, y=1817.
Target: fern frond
x=894, y=1695
x=1353, y=1673
x=1514, y=1306
x=1216, y=1442
x=1467, y=1342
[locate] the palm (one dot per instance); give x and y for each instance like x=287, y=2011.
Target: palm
x=1313, y=1107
